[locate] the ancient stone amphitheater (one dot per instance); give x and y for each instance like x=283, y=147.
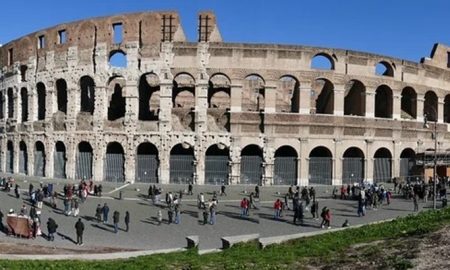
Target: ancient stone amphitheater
x=128, y=98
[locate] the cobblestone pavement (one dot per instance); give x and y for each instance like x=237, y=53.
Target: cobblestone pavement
x=146, y=234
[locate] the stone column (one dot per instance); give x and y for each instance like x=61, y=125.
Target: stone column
x=420, y=107
x=49, y=158
x=396, y=159
x=71, y=152
x=397, y=103
x=339, y=93
x=270, y=93
x=440, y=110
x=18, y=106
x=305, y=97
x=235, y=165
x=98, y=160
x=201, y=106
x=49, y=94
x=368, y=162
x=370, y=102
x=337, y=163
x=16, y=154
x=269, y=160
x=73, y=106
x=131, y=107
x=130, y=164
x=100, y=107
x=30, y=151
x=164, y=166
x=236, y=98
x=165, y=105
x=304, y=161
x=199, y=165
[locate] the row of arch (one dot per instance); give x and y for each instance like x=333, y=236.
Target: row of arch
x=217, y=163
x=219, y=97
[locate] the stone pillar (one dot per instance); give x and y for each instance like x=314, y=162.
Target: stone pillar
x=98, y=161
x=199, y=165
x=49, y=158
x=270, y=93
x=131, y=107
x=440, y=110
x=32, y=104
x=15, y=142
x=165, y=105
x=71, y=152
x=370, y=103
x=49, y=94
x=305, y=97
x=304, y=162
x=201, y=106
x=130, y=164
x=164, y=166
x=339, y=93
x=236, y=98
x=18, y=106
x=397, y=106
x=73, y=106
x=235, y=165
x=368, y=162
x=30, y=151
x=337, y=163
x=269, y=162
x=396, y=159
x=100, y=107
x=420, y=107
x=3, y=142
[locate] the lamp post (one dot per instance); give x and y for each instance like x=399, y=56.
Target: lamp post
x=434, y=136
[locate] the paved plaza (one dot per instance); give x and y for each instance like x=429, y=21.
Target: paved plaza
x=146, y=234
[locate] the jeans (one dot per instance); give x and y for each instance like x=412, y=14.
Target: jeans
x=213, y=218
x=79, y=239
x=116, y=227
x=105, y=218
x=177, y=218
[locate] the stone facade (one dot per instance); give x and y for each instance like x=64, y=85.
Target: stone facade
x=60, y=87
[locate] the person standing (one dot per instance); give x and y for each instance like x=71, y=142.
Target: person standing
x=16, y=191
x=222, y=191
x=177, y=214
x=170, y=213
x=244, y=207
x=76, y=207
x=127, y=221
x=116, y=217
x=212, y=213
x=79, y=227
x=277, y=208
x=190, y=189
x=205, y=216
x=105, y=212
x=416, y=203
x=98, y=213
x=257, y=191
x=51, y=227
x=159, y=217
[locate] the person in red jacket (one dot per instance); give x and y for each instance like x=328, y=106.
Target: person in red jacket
x=328, y=218
x=277, y=207
x=244, y=207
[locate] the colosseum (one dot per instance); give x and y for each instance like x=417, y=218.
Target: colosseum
x=127, y=98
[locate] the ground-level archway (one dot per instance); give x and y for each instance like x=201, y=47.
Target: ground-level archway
x=407, y=164
x=216, y=165
x=59, y=160
x=147, y=163
x=23, y=158
x=321, y=166
x=251, y=165
x=182, y=167
x=353, y=166
x=39, y=159
x=285, y=166
x=114, y=170
x=9, y=157
x=84, y=161
x=382, y=165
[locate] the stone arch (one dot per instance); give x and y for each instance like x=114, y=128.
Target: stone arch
x=147, y=163
x=322, y=61
x=114, y=163
x=217, y=158
x=183, y=93
x=9, y=157
x=383, y=68
x=41, y=95
x=288, y=94
x=251, y=165
x=24, y=102
x=355, y=98
x=383, y=102
x=87, y=101
x=285, y=166
x=39, y=159
x=61, y=95
x=60, y=160
x=430, y=106
x=323, y=98
x=149, y=93
x=118, y=59
x=408, y=168
x=253, y=95
x=353, y=165
x=409, y=103
x=116, y=108
x=182, y=164
x=219, y=92
x=84, y=161
x=382, y=165
x=23, y=158
x=321, y=166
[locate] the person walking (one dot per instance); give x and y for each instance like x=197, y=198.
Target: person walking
x=177, y=214
x=415, y=202
x=190, y=189
x=16, y=191
x=170, y=213
x=51, y=228
x=116, y=217
x=98, y=213
x=277, y=208
x=79, y=227
x=222, y=191
x=105, y=212
x=127, y=221
x=159, y=216
x=212, y=213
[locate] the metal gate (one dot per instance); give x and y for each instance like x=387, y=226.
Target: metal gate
x=114, y=167
x=406, y=168
x=147, y=168
x=84, y=165
x=59, y=166
x=39, y=162
x=216, y=170
x=23, y=161
x=320, y=170
x=181, y=169
x=381, y=170
x=285, y=171
x=9, y=160
x=251, y=170
x=352, y=170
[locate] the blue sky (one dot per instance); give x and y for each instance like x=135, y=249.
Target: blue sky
x=403, y=29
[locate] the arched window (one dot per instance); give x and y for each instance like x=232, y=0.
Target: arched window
x=409, y=103
x=383, y=68
x=353, y=166
x=430, y=107
x=382, y=166
x=383, y=102
x=216, y=165
x=24, y=102
x=61, y=95
x=253, y=96
x=87, y=101
x=116, y=107
x=149, y=92
x=118, y=59
x=114, y=163
x=323, y=98
x=355, y=98
x=285, y=166
x=322, y=61
x=288, y=95
x=40, y=87
x=321, y=166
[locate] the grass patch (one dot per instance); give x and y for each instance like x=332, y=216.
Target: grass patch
x=321, y=249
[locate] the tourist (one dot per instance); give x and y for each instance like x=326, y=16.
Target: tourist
x=205, y=216
x=170, y=213
x=222, y=191
x=277, y=208
x=39, y=198
x=127, y=221
x=159, y=217
x=105, y=212
x=16, y=191
x=361, y=207
x=177, y=213
x=98, y=213
x=23, y=210
x=116, y=218
x=190, y=189
x=416, y=203
x=33, y=212
x=257, y=191
x=66, y=206
x=244, y=207
x=2, y=228
x=298, y=212
x=30, y=189
x=100, y=190
x=51, y=228
x=201, y=201
x=75, y=207
x=79, y=227
x=315, y=209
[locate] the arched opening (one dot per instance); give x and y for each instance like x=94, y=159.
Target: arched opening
x=10, y=157
x=288, y=95
x=23, y=73
x=147, y=163
x=2, y=105
x=39, y=159
x=183, y=94
x=382, y=171
x=322, y=61
x=285, y=166
x=61, y=95
x=118, y=59
x=383, y=102
x=59, y=160
x=409, y=103
x=323, y=98
x=253, y=96
x=383, y=68
x=320, y=166
x=23, y=158
x=24, y=102
x=114, y=163
x=353, y=166
x=216, y=165
x=40, y=87
x=355, y=98
x=182, y=164
x=219, y=103
x=87, y=101
x=84, y=161
x=447, y=109
x=430, y=106
x=10, y=103
x=116, y=107
x=251, y=165
x=149, y=93
x=408, y=164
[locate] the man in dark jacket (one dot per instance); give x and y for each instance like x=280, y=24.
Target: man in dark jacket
x=51, y=227
x=79, y=227
x=116, y=217
x=98, y=213
x=127, y=220
x=105, y=211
